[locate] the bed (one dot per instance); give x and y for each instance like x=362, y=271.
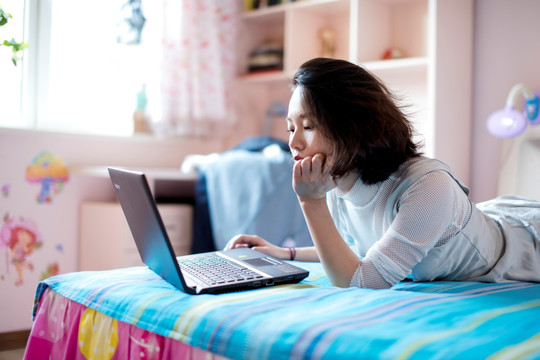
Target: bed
x=132, y=313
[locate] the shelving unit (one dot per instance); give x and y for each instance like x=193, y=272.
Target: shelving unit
x=297, y=25
x=433, y=76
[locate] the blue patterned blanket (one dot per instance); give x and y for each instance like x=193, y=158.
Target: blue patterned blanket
x=314, y=320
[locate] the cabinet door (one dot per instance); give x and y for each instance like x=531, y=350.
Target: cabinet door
x=178, y=221
x=106, y=241
x=103, y=235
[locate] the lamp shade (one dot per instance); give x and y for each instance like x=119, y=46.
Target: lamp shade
x=509, y=122
x=506, y=123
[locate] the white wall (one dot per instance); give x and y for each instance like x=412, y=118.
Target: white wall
x=506, y=52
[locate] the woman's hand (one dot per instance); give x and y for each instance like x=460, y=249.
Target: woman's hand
x=311, y=181
x=259, y=244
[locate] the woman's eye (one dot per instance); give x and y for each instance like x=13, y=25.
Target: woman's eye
x=290, y=131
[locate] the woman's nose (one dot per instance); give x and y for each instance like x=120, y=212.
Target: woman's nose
x=295, y=141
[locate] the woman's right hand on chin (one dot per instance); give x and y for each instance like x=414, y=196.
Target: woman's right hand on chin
x=311, y=180
x=257, y=243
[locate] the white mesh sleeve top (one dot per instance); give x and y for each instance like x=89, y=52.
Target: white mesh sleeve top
x=420, y=223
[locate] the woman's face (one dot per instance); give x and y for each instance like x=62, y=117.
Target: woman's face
x=304, y=137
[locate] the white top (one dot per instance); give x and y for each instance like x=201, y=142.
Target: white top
x=418, y=223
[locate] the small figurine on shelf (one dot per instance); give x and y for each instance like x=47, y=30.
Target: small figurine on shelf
x=328, y=41
x=392, y=53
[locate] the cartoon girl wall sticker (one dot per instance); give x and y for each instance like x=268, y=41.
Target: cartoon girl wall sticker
x=19, y=237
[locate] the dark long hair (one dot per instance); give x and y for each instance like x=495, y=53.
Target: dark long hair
x=356, y=111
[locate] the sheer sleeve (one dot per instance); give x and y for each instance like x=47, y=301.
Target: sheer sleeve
x=428, y=214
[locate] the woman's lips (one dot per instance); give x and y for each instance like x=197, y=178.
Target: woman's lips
x=298, y=158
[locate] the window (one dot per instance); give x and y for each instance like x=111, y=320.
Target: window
x=77, y=76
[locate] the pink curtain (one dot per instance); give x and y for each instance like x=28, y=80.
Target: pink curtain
x=198, y=67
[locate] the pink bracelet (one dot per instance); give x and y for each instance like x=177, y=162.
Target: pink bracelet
x=292, y=251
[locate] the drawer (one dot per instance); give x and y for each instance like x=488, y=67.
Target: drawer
x=106, y=241
x=178, y=225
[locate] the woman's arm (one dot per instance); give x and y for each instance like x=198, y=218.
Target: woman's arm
x=259, y=244
x=311, y=183
x=337, y=258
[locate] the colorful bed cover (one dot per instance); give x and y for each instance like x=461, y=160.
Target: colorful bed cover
x=314, y=320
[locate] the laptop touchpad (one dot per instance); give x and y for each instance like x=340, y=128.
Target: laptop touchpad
x=259, y=262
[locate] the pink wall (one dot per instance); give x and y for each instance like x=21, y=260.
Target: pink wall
x=506, y=52
x=55, y=221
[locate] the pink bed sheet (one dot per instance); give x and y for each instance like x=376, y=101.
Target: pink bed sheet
x=64, y=329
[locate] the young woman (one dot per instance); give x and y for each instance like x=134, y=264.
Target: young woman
x=360, y=179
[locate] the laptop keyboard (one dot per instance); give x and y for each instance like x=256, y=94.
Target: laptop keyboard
x=215, y=270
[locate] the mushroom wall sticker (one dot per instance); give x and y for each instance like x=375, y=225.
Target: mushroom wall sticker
x=49, y=171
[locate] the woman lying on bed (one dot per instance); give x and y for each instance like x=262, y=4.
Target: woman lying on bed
x=360, y=178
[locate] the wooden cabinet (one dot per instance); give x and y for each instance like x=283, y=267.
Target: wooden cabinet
x=107, y=243
x=433, y=74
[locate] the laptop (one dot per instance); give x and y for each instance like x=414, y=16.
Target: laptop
x=206, y=273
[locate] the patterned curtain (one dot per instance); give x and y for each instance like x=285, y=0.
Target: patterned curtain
x=198, y=67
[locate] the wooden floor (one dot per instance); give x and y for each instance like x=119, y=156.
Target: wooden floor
x=15, y=354
x=12, y=344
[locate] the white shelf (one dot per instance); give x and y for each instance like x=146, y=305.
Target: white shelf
x=264, y=77
x=313, y=5
x=434, y=36
x=403, y=64
x=161, y=173
x=166, y=183
x=380, y=67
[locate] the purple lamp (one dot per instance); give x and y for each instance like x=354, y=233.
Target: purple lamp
x=509, y=122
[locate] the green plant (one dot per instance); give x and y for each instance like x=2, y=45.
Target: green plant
x=16, y=47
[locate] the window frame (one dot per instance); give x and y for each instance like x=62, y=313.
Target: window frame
x=37, y=30
x=35, y=63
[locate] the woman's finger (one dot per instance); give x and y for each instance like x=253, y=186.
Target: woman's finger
x=317, y=163
x=243, y=240
x=236, y=241
x=306, y=166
